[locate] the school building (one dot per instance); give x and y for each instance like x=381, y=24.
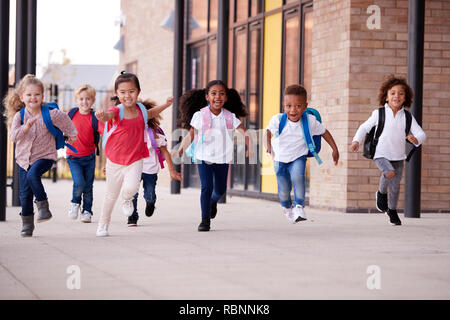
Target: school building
x=340, y=50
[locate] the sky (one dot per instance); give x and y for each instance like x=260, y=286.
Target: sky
x=86, y=29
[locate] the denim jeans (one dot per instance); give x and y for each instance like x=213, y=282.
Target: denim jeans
x=83, y=174
x=288, y=175
x=213, y=178
x=149, y=183
x=30, y=184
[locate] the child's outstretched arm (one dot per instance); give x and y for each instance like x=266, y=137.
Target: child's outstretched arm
x=269, y=142
x=243, y=130
x=187, y=140
x=173, y=173
x=155, y=111
x=329, y=139
x=104, y=116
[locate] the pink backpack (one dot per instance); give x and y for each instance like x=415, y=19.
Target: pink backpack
x=206, y=129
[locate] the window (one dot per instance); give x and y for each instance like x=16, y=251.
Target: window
x=198, y=18
x=297, y=46
x=131, y=67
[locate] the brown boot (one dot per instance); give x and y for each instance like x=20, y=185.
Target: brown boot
x=27, y=226
x=44, y=213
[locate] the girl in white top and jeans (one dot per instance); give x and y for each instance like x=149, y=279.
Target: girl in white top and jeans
x=396, y=95
x=211, y=115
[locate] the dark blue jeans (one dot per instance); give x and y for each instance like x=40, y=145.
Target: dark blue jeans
x=213, y=178
x=149, y=183
x=83, y=174
x=30, y=184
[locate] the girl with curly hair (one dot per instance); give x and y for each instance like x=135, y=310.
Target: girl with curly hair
x=394, y=96
x=211, y=115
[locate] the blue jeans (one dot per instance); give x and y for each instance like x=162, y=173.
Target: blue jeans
x=288, y=175
x=83, y=174
x=149, y=183
x=213, y=178
x=30, y=184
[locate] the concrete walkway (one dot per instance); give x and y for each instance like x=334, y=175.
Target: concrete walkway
x=252, y=252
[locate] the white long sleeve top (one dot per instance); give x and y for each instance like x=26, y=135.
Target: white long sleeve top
x=392, y=141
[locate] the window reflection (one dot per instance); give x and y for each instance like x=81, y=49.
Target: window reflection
x=307, y=65
x=198, y=22
x=292, y=56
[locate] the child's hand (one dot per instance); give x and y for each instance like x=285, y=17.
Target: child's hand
x=335, y=156
x=412, y=139
x=100, y=115
x=354, y=146
x=71, y=140
x=169, y=101
x=27, y=126
x=175, y=175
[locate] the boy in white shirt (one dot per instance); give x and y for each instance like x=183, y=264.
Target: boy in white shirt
x=289, y=151
x=396, y=95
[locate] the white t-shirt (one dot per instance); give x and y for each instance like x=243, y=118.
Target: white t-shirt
x=391, y=144
x=291, y=144
x=217, y=145
x=151, y=163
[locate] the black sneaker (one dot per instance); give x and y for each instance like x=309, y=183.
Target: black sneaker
x=213, y=210
x=393, y=217
x=132, y=221
x=382, y=202
x=204, y=225
x=149, y=209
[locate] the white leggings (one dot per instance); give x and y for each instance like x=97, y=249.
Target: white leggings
x=127, y=178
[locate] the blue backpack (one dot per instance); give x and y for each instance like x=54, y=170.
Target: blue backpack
x=313, y=142
x=94, y=119
x=55, y=131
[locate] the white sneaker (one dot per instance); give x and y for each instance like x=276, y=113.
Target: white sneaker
x=86, y=217
x=288, y=214
x=73, y=211
x=127, y=208
x=102, y=230
x=298, y=213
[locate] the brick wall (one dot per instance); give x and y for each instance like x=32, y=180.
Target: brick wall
x=372, y=55
x=152, y=47
x=329, y=93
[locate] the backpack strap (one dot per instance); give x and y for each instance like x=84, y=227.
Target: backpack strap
x=72, y=112
x=408, y=117
x=380, y=126
x=151, y=135
x=308, y=138
x=94, y=121
x=22, y=115
x=57, y=133
x=228, y=118
x=283, y=120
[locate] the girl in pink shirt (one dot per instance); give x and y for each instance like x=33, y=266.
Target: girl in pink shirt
x=125, y=146
x=35, y=146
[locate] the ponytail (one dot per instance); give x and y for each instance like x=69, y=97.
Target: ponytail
x=190, y=102
x=12, y=101
x=194, y=100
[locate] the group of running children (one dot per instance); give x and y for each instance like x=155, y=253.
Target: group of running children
x=135, y=146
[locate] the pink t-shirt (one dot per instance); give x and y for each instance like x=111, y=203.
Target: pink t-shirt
x=126, y=143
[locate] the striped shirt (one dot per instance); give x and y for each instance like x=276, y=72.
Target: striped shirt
x=38, y=143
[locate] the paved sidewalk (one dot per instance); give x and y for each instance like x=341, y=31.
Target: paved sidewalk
x=252, y=252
